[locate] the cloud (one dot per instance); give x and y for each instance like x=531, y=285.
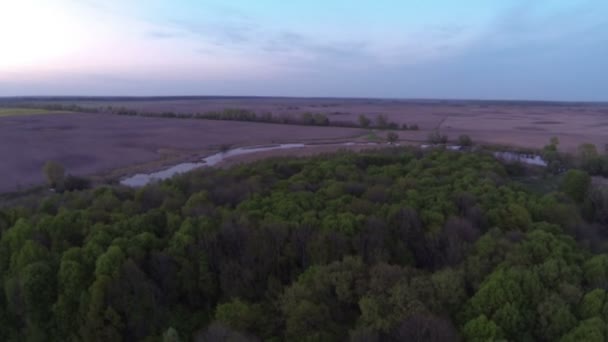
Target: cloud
x=244, y=37
x=158, y=34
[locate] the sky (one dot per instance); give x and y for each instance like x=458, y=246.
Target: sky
x=467, y=49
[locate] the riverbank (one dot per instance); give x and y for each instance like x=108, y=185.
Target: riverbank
x=248, y=154
x=245, y=155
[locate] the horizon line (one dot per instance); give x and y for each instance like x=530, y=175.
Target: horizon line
x=211, y=97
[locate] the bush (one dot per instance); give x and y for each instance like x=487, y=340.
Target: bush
x=414, y=127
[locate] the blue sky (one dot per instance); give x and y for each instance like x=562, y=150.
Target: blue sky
x=499, y=49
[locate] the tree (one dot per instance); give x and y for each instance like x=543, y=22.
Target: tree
x=54, y=173
x=590, y=159
x=436, y=138
x=598, y=199
x=307, y=118
x=592, y=304
x=218, y=332
x=587, y=151
x=576, y=185
x=425, y=328
x=450, y=288
x=171, y=335
x=481, y=329
x=392, y=137
x=73, y=183
x=381, y=121
x=555, y=319
x=320, y=119
x=596, y=271
x=38, y=291
x=552, y=157
x=364, y=121
x=590, y=330
x=237, y=315
x=465, y=141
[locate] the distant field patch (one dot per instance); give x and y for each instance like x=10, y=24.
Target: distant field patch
x=23, y=111
x=547, y=122
x=529, y=128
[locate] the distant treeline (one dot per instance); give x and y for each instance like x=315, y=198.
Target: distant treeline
x=306, y=119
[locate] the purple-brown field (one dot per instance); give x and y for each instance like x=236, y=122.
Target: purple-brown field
x=522, y=124
x=107, y=144
x=92, y=144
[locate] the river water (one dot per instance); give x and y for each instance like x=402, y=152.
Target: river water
x=142, y=179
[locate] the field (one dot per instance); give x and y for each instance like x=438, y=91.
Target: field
x=90, y=144
x=5, y=112
x=114, y=145
x=517, y=123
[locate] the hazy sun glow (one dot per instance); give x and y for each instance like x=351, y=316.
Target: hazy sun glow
x=35, y=34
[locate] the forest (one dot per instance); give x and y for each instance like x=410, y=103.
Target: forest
x=400, y=244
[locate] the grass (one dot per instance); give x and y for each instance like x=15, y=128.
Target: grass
x=24, y=111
